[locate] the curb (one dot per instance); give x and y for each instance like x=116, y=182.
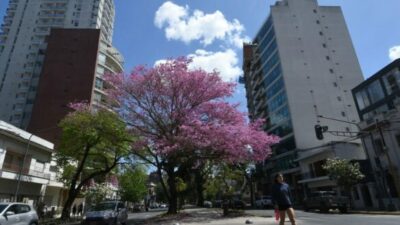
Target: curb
x=395, y=213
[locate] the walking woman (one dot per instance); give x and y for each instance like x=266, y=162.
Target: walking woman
x=281, y=198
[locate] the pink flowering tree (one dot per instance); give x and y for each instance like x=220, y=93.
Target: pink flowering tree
x=183, y=119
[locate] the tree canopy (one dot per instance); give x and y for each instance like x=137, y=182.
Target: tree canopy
x=92, y=144
x=183, y=119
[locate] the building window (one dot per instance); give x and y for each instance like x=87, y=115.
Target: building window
x=39, y=166
x=343, y=114
x=378, y=145
x=320, y=33
x=398, y=139
x=328, y=58
x=375, y=91
x=392, y=81
x=317, y=22
x=339, y=98
x=99, y=83
x=102, y=58
x=331, y=71
x=335, y=84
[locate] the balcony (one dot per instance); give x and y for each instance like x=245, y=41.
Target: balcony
x=53, y=7
x=10, y=167
x=311, y=177
x=6, y=25
x=40, y=174
x=8, y=18
x=25, y=171
x=51, y=15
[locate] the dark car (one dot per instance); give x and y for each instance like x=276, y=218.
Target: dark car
x=326, y=200
x=217, y=203
x=238, y=204
x=106, y=213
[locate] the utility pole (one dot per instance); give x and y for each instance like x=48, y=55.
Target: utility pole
x=21, y=167
x=380, y=185
x=391, y=168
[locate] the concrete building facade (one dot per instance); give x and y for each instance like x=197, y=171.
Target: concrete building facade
x=27, y=158
x=302, y=64
x=23, y=45
x=378, y=105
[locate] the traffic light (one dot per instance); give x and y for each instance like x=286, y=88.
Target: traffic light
x=319, y=131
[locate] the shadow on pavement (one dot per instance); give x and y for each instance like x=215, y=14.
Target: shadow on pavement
x=187, y=216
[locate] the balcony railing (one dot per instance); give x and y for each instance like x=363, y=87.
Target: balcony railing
x=14, y=168
x=312, y=175
x=40, y=174
x=25, y=171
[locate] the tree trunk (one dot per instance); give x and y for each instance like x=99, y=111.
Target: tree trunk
x=249, y=182
x=66, y=212
x=173, y=200
x=348, y=189
x=199, y=181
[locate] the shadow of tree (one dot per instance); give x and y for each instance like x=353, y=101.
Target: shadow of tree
x=192, y=216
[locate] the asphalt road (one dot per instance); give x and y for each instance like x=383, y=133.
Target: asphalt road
x=303, y=218
x=314, y=218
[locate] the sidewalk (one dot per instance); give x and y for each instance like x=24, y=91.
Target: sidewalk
x=237, y=221
x=394, y=213
x=201, y=216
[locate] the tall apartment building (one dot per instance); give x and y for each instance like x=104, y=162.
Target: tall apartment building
x=23, y=45
x=301, y=65
x=73, y=69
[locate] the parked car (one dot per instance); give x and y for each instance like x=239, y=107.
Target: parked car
x=106, y=213
x=326, y=200
x=238, y=204
x=207, y=204
x=17, y=213
x=264, y=202
x=217, y=203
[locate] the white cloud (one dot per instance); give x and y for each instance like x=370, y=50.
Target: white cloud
x=180, y=25
x=394, y=52
x=226, y=63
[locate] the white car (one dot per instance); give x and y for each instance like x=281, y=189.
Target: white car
x=15, y=213
x=264, y=202
x=106, y=213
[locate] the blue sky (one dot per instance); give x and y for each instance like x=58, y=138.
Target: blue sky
x=209, y=30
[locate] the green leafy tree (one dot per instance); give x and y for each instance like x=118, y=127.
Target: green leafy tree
x=97, y=193
x=344, y=172
x=92, y=145
x=133, y=184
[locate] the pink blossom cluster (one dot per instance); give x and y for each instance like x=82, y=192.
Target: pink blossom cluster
x=184, y=112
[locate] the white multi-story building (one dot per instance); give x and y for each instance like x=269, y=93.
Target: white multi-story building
x=302, y=64
x=23, y=45
x=26, y=171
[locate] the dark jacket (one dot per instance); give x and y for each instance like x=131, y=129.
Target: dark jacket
x=281, y=194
